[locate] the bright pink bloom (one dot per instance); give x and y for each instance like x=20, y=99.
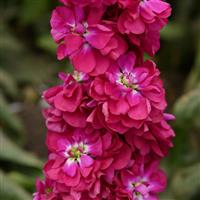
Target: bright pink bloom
x=78, y=159
x=72, y=155
x=51, y=190
x=45, y=190
x=143, y=22
x=84, y=38
x=66, y=106
x=54, y=120
x=130, y=4
x=106, y=126
x=151, y=139
x=66, y=97
x=141, y=182
x=94, y=3
x=128, y=96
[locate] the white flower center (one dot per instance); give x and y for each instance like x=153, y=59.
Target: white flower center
x=75, y=151
x=128, y=80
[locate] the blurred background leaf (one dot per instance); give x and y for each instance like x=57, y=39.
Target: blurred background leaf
x=10, y=190
x=9, y=151
x=187, y=109
x=10, y=122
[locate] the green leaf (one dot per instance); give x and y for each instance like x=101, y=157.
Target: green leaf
x=12, y=153
x=9, y=190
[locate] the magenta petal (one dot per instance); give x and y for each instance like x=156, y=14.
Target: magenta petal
x=156, y=187
x=71, y=181
x=118, y=127
x=106, y=163
x=147, y=13
x=97, y=188
x=126, y=177
x=56, y=126
x=123, y=158
x=140, y=111
x=133, y=98
x=95, y=15
x=119, y=107
x=158, y=6
x=141, y=145
x=97, y=38
x=156, y=148
x=73, y=43
x=86, y=161
x=61, y=20
x=127, y=61
x=102, y=64
x=61, y=52
x=75, y=119
x=64, y=104
x=169, y=117
x=136, y=26
x=49, y=94
x=143, y=189
x=68, y=103
x=96, y=148
x=112, y=44
x=70, y=168
x=53, y=173
x=85, y=171
x=84, y=59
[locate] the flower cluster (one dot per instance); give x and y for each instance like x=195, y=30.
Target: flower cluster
x=107, y=129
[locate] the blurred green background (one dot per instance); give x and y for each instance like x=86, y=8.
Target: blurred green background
x=28, y=65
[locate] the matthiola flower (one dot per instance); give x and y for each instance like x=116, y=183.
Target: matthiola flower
x=94, y=3
x=151, y=139
x=51, y=190
x=106, y=126
x=66, y=107
x=143, y=21
x=141, y=182
x=131, y=4
x=79, y=160
x=106, y=193
x=66, y=97
x=73, y=156
x=45, y=190
x=83, y=37
x=128, y=95
x=54, y=120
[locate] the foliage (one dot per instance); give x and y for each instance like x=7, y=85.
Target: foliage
x=27, y=64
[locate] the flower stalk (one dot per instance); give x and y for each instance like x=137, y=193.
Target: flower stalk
x=107, y=129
